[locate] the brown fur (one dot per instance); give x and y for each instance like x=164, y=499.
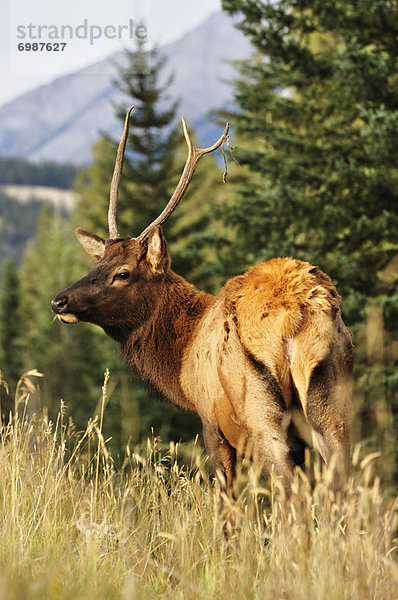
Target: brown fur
x=271, y=347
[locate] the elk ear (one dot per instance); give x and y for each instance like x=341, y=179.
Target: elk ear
x=93, y=244
x=157, y=255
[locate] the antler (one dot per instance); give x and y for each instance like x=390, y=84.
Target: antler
x=194, y=155
x=117, y=173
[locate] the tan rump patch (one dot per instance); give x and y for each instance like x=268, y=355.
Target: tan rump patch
x=285, y=311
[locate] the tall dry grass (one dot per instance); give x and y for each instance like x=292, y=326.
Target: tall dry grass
x=74, y=526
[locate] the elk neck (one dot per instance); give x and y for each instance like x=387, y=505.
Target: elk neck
x=155, y=349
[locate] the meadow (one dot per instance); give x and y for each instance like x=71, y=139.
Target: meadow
x=75, y=524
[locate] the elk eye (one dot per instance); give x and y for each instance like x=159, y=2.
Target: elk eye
x=123, y=275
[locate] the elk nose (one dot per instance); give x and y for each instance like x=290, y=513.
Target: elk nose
x=58, y=304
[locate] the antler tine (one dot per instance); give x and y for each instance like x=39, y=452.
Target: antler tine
x=117, y=173
x=194, y=155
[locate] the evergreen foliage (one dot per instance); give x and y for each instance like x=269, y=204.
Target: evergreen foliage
x=92, y=188
x=22, y=172
x=148, y=170
x=10, y=332
x=319, y=103
x=72, y=359
x=17, y=226
x=194, y=228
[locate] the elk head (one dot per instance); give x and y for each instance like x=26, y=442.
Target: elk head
x=118, y=291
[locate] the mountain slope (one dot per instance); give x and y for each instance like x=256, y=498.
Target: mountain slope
x=61, y=120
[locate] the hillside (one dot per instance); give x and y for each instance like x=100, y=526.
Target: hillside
x=63, y=200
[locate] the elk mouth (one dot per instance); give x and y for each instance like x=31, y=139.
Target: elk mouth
x=69, y=318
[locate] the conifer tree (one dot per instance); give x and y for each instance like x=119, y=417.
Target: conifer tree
x=11, y=364
x=72, y=359
x=149, y=169
x=152, y=165
x=318, y=124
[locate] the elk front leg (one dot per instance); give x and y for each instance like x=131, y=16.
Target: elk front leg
x=266, y=421
x=222, y=456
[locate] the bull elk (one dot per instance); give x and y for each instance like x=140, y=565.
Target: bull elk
x=266, y=355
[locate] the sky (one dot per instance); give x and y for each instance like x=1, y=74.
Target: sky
x=81, y=32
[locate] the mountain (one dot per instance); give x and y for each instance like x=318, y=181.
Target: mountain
x=60, y=121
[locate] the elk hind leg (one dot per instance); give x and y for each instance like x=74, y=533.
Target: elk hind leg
x=223, y=458
x=321, y=364
x=329, y=414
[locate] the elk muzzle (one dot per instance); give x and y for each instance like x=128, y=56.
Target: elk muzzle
x=60, y=308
